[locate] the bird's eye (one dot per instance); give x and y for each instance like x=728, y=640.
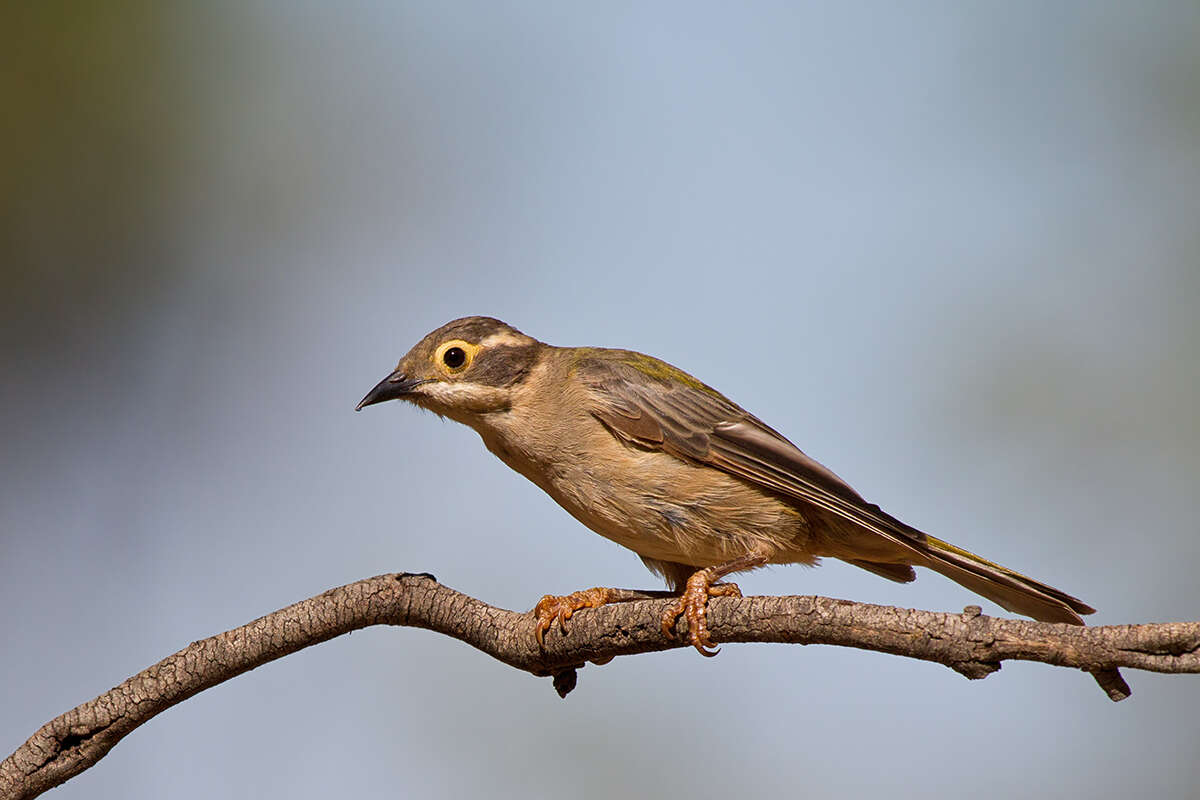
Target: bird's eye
x=455, y=355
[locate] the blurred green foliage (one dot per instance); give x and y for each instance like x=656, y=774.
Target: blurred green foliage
x=90, y=137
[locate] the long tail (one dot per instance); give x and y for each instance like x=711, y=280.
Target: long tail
x=1001, y=585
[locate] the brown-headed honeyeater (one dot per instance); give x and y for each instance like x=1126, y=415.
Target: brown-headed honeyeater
x=646, y=455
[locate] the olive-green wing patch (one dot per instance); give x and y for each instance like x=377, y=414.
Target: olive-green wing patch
x=700, y=425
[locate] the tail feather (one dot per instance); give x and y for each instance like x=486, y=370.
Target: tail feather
x=900, y=573
x=1009, y=589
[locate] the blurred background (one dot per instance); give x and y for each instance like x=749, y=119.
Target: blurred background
x=951, y=250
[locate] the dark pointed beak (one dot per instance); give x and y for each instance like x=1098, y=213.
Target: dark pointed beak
x=395, y=385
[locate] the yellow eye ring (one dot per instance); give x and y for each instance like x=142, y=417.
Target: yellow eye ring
x=455, y=356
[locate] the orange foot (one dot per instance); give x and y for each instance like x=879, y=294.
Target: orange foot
x=553, y=608
x=693, y=604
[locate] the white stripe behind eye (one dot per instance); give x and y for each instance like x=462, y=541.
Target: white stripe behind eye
x=504, y=338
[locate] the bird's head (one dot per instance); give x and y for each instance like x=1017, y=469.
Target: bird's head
x=463, y=370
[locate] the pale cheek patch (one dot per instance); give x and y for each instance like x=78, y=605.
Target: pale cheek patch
x=455, y=399
x=453, y=393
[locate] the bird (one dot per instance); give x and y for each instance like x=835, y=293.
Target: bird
x=653, y=459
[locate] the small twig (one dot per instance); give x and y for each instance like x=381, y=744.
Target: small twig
x=970, y=643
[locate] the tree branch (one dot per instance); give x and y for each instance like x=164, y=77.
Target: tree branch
x=970, y=643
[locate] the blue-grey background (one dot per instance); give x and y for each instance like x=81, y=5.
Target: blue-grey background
x=950, y=249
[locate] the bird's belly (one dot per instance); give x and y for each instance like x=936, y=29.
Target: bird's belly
x=665, y=509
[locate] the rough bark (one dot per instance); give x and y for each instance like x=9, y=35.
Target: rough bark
x=969, y=643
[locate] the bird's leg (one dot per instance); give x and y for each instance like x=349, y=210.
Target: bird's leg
x=693, y=603
x=554, y=608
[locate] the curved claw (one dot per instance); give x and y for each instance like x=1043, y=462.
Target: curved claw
x=693, y=604
x=550, y=610
x=553, y=609
x=668, y=620
x=539, y=629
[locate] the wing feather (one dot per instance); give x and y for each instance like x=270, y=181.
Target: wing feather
x=696, y=423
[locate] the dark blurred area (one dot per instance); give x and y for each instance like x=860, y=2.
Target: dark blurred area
x=94, y=150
